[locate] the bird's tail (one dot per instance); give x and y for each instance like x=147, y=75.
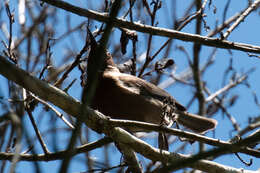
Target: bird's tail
x=196, y=123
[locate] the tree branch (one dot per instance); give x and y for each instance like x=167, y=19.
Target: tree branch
x=242, y=17
x=57, y=155
x=103, y=17
x=100, y=123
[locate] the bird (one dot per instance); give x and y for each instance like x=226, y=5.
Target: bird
x=124, y=96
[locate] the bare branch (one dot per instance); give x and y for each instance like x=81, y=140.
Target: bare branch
x=227, y=87
x=57, y=155
x=94, y=119
x=213, y=42
x=242, y=17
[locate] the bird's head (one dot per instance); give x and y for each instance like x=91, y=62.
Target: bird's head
x=95, y=62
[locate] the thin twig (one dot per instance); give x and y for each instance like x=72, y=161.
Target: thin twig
x=217, y=101
x=242, y=17
x=37, y=132
x=58, y=155
x=73, y=65
x=10, y=39
x=224, y=24
x=60, y=115
x=148, y=59
x=226, y=88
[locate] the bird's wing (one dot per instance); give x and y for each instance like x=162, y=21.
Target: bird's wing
x=147, y=89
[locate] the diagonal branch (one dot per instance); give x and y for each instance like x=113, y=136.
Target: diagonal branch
x=227, y=87
x=103, y=17
x=242, y=17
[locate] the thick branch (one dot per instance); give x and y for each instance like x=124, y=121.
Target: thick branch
x=96, y=120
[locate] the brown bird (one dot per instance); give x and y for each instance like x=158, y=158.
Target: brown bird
x=124, y=96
